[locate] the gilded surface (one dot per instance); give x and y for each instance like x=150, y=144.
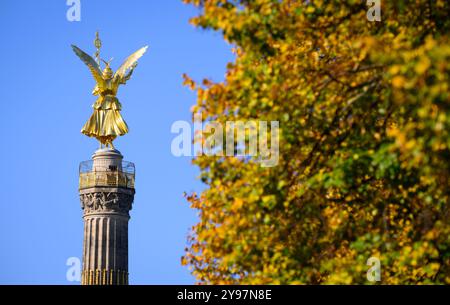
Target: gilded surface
x=106, y=122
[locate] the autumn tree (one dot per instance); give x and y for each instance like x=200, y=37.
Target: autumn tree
x=364, y=165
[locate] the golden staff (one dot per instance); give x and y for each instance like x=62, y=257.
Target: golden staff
x=98, y=45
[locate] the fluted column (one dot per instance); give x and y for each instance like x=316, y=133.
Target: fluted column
x=106, y=204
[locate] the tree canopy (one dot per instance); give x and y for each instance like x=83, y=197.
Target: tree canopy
x=364, y=153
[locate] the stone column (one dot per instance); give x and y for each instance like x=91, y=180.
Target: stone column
x=106, y=194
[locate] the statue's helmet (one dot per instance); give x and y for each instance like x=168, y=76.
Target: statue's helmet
x=107, y=71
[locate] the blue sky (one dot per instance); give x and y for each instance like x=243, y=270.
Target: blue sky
x=46, y=98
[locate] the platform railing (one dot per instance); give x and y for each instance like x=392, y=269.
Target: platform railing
x=107, y=177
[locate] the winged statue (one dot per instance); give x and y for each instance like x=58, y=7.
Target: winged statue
x=106, y=122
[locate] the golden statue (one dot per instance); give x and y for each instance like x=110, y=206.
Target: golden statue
x=106, y=123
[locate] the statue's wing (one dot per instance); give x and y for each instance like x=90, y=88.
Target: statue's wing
x=129, y=62
x=91, y=63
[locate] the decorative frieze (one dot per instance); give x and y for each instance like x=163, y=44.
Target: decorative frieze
x=93, y=201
